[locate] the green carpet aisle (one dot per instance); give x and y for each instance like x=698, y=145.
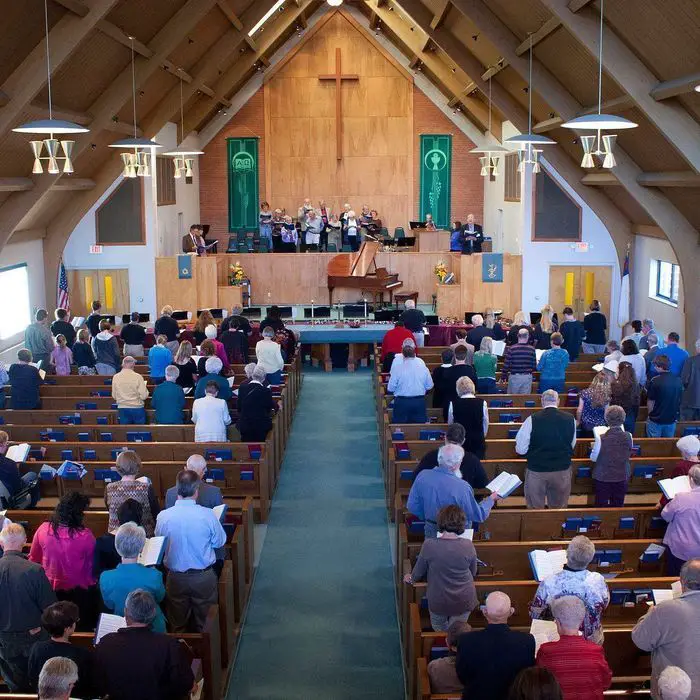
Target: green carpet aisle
x=322, y=620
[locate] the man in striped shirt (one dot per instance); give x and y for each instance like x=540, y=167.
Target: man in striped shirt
x=520, y=363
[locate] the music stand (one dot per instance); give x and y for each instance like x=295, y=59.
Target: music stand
x=179, y=315
x=251, y=313
x=388, y=315
x=416, y=224
x=317, y=312
x=405, y=242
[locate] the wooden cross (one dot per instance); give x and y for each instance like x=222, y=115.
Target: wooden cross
x=338, y=77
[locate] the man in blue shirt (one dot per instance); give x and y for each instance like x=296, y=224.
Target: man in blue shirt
x=443, y=486
x=169, y=399
x=409, y=381
x=193, y=534
x=676, y=354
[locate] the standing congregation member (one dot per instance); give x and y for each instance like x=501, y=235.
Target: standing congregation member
x=289, y=236
x=690, y=377
x=352, y=231
x=269, y=356
x=636, y=334
x=106, y=349
x=208, y=495
x=544, y=328
x=94, y=317
x=324, y=213
x=573, y=332
x=675, y=353
x=273, y=319
x=592, y=403
x=552, y=365
x=520, y=322
x=682, y=513
x=625, y=392
x=136, y=663
x=211, y=332
x=235, y=343
x=14, y=482
x=106, y=557
x=664, y=396
x=159, y=357
x=4, y=381
x=130, y=393
x=187, y=369
x=57, y=679
x=25, y=592
x=452, y=375
x=611, y=453
x=60, y=620
x=493, y=326
x=303, y=216
x=652, y=352
x=647, y=329
x=473, y=236
x=595, y=324
x=409, y=382
x=61, y=326
x=434, y=489
x=334, y=233
x=547, y=438
x=207, y=350
x=488, y=660
x=169, y=399
x=38, y=339
x=473, y=414
x=479, y=332
x=575, y=579
x=461, y=336
x=265, y=224
x=456, y=237
x=212, y=369
x=255, y=407
x=193, y=533
x=630, y=353
x=314, y=226
x=129, y=575
x=448, y=563
x=414, y=320
x=194, y=242
x=204, y=319
x=25, y=381
x=130, y=487
x=133, y=334
x=520, y=363
x=210, y=416
x=485, y=367
x=237, y=316
x=438, y=376
x=671, y=630
x=578, y=665
x=392, y=342
x=443, y=671
x=65, y=548
x=83, y=356
x=472, y=471
x=166, y=325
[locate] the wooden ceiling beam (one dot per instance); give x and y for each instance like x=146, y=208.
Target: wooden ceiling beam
x=614, y=106
x=677, y=86
x=649, y=231
x=661, y=179
x=599, y=178
x=576, y=5
x=441, y=14
x=29, y=77
x=621, y=64
x=225, y=7
x=16, y=184
x=75, y=6
x=28, y=234
x=551, y=25
x=73, y=184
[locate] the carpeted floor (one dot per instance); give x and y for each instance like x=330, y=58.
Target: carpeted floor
x=322, y=619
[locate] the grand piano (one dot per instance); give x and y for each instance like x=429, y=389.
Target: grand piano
x=359, y=271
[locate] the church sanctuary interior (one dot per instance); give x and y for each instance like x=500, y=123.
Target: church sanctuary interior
x=350, y=349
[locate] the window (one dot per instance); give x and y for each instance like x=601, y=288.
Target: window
x=14, y=292
x=512, y=178
x=557, y=217
x=165, y=180
x=668, y=279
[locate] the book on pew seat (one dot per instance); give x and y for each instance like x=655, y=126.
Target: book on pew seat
x=670, y=487
x=466, y=535
x=504, y=484
x=71, y=470
x=544, y=631
x=220, y=511
x=18, y=453
x=661, y=595
x=107, y=624
x=152, y=552
x=47, y=472
x=652, y=553
x=545, y=564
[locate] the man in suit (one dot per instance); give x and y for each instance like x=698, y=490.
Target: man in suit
x=208, y=495
x=194, y=242
x=488, y=660
x=473, y=236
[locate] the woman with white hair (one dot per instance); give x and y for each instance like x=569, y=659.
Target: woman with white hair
x=674, y=684
x=575, y=579
x=473, y=414
x=115, y=585
x=352, y=230
x=269, y=355
x=57, y=679
x=255, y=406
x=212, y=373
x=211, y=332
x=682, y=536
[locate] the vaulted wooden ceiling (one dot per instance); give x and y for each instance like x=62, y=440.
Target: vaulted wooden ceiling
x=652, y=64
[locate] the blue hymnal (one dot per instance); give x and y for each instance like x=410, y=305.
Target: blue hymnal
x=2, y=421
x=430, y=435
x=642, y=595
x=138, y=436
x=102, y=420
x=439, y=652
x=66, y=454
x=71, y=471
x=652, y=556
x=219, y=455
x=512, y=434
x=52, y=435
x=215, y=474
x=101, y=394
x=584, y=472
x=83, y=406
x=83, y=437
x=113, y=406
x=572, y=523
x=36, y=453
x=590, y=523
x=626, y=523
x=397, y=435
x=497, y=403
x=105, y=437
x=68, y=420
x=416, y=527
x=255, y=451
x=645, y=471
x=530, y=404
x=247, y=475
x=89, y=455
x=691, y=430
x=108, y=382
x=505, y=418
x=406, y=475
x=402, y=451
x=636, y=450
x=620, y=596
x=106, y=475
x=613, y=556
x=657, y=523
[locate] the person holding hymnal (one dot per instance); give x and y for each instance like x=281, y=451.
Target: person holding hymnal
x=682, y=514
x=473, y=236
x=611, y=452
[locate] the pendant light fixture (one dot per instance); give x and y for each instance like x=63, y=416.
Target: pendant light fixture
x=599, y=144
x=183, y=158
x=489, y=155
x=51, y=127
x=137, y=159
x=529, y=144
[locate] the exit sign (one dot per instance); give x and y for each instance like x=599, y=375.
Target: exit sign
x=582, y=247
x=96, y=249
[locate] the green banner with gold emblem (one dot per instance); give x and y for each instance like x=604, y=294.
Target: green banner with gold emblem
x=243, y=188
x=436, y=178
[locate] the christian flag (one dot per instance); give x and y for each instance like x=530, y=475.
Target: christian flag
x=62, y=295
x=623, y=310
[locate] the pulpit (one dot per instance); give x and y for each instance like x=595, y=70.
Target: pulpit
x=431, y=241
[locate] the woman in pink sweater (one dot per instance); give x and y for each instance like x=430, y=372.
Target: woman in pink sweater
x=65, y=548
x=61, y=356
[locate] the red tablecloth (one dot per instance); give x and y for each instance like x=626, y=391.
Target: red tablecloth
x=444, y=335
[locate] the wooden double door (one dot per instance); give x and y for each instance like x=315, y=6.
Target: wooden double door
x=111, y=287
x=578, y=285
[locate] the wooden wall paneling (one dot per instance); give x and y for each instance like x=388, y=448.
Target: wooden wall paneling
x=205, y=273
x=268, y=145
x=80, y=303
x=180, y=294
x=449, y=300
x=478, y=295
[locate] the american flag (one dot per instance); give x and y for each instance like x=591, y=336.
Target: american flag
x=62, y=295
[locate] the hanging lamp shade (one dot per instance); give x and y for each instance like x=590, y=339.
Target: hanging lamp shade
x=181, y=151
x=50, y=126
x=593, y=122
x=135, y=142
x=520, y=141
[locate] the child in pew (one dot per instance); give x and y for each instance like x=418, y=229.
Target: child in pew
x=83, y=356
x=611, y=453
x=61, y=356
x=443, y=672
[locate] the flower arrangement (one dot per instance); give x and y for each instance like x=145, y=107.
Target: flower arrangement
x=440, y=271
x=236, y=274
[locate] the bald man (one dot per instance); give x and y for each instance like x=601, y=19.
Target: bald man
x=208, y=494
x=488, y=660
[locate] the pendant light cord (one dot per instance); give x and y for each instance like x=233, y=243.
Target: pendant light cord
x=600, y=60
x=48, y=58
x=182, y=112
x=133, y=81
x=489, y=103
x=529, y=93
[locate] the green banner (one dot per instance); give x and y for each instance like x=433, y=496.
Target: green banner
x=436, y=178
x=243, y=189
